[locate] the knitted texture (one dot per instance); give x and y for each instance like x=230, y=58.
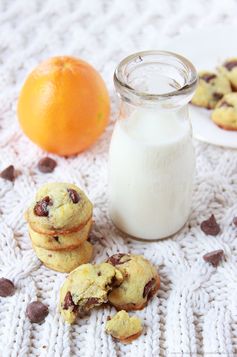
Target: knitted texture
x=195, y=310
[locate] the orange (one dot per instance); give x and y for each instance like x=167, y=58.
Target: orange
x=64, y=105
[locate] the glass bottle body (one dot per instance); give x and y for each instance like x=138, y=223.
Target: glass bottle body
x=151, y=159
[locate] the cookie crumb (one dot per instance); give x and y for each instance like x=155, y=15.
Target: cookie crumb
x=123, y=328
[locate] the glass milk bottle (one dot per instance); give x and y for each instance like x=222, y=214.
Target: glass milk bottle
x=151, y=158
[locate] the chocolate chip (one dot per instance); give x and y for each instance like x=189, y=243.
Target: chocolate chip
x=115, y=259
x=147, y=292
x=47, y=165
x=56, y=238
x=225, y=104
x=91, y=302
x=108, y=318
x=217, y=96
x=210, y=226
x=99, y=273
x=235, y=221
x=41, y=207
x=8, y=173
x=36, y=311
x=7, y=287
x=73, y=195
x=207, y=77
x=68, y=303
x=229, y=65
x=113, y=283
x=214, y=257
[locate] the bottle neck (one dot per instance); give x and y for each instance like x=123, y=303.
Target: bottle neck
x=155, y=78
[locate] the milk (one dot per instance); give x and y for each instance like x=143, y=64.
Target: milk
x=151, y=169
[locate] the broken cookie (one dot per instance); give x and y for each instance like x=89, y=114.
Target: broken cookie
x=86, y=287
x=141, y=281
x=124, y=328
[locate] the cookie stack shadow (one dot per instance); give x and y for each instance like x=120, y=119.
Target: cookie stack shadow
x=64, y=247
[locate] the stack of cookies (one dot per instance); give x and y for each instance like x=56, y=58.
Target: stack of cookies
x=59, y=222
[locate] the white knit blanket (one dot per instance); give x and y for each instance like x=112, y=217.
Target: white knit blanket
x=195, y=312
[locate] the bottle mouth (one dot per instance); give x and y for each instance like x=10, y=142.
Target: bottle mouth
x=150, y=77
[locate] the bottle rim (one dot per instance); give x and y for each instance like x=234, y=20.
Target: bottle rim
x=131, y=94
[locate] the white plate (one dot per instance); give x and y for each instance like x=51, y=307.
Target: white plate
x=206, y=49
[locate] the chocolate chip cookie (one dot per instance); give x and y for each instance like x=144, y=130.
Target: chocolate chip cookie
x=86, y=287
x=229, y=69
x=124, y=328
x=211, y=88
x=59, y=208
x=225, y=113
x=65, y=260
x=60, y=241
x=140, y=282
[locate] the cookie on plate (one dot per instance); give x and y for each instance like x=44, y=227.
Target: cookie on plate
x=59, y=208
x=65, y=260
x=141, y=281
x=60, y=241
x=211, y=88
x=124, y=328
x=225, y=113
x=86, y=287
x=229, y=69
